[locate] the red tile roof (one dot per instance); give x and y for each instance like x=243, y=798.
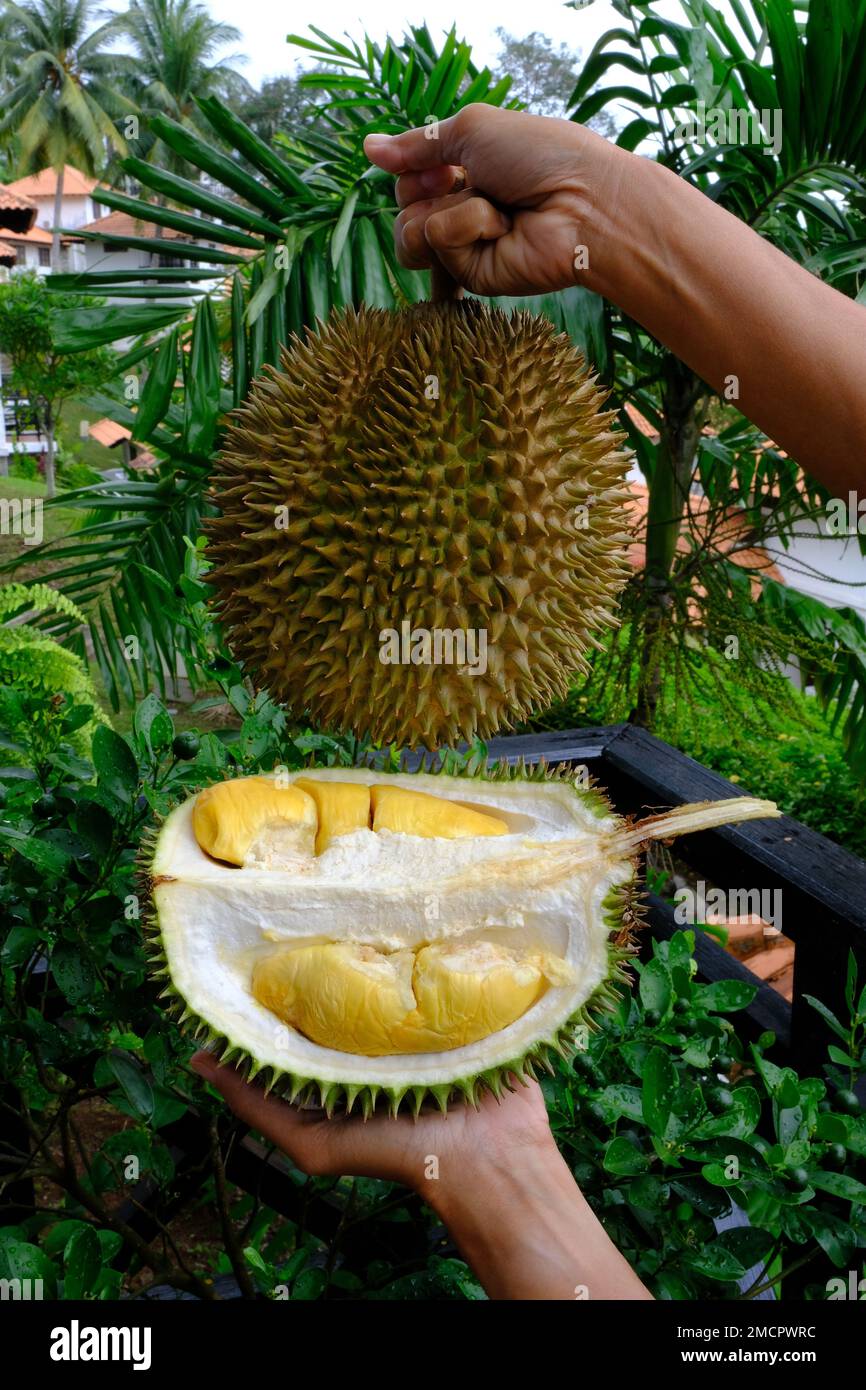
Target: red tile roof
x=44, y=184
x=727, y=536
x=16, y=212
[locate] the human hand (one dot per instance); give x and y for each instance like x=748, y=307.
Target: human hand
x=498, y=1182
x=384, y=1147
x=532, y=183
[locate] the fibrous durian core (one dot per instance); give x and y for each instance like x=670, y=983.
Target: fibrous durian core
x=420, y=533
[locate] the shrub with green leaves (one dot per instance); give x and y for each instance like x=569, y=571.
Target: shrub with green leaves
x=38, y=676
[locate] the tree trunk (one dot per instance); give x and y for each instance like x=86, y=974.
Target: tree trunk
x=684, y=402
x=58, y=218
x=49, y=455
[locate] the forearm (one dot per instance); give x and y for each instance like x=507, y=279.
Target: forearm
x=731, y=306
x=528, y=1233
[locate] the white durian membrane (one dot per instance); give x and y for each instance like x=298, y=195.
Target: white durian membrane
x=390, y=891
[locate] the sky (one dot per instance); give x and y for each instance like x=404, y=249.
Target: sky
x=264, y=24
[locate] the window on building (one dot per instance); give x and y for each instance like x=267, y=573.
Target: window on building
x=20, y=255
x=45, y=255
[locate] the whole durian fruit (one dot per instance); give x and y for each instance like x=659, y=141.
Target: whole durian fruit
x=421, y=522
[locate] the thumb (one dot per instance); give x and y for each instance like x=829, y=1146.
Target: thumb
x=425, y=147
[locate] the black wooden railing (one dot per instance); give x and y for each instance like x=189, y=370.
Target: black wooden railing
x=823, y=887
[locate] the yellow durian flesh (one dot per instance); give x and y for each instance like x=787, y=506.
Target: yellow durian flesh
x=354, y=998
x=417, y=813
x=254, y=814
x=342, y=807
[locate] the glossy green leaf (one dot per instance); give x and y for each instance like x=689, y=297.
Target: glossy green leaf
x=207, y=157
x=197, y=195
x=202, y=383
x=79, y=329
x=198, y=227
x=158, y=387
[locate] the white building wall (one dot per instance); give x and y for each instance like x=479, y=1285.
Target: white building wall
x=827, y=567
x=77, y=210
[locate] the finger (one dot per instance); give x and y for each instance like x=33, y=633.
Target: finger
x=427, y=146
x=455, y=233
x=429, y=183
x=413, y=250
x=275, y=1119
x=482, y=222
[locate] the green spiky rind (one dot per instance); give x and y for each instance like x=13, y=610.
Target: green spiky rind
x=496, y=507
x=620, y=911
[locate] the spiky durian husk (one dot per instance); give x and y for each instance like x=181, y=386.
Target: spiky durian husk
x=622, y=912
x=448, y=466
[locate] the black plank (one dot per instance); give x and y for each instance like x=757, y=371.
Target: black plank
x=792, y=856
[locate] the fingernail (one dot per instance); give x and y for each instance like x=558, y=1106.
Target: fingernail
x=377, y=139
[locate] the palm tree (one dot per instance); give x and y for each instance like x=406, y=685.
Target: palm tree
x=61, y=103
x=175, y=62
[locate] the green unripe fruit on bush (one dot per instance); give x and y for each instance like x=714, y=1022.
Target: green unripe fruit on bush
x=836, y=1156
x=46, y=806
x=682, y=1006
x=798, y=1178
x=848, y=1101
x=186, y=745
x=652, y=1018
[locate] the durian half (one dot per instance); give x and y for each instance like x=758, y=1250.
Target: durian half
x=365, y=938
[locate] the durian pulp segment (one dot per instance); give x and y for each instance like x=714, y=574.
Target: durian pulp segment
x=418, y=813
x=355, y=998
x=237, y=821
x=384, y=902
x=341, y=806
x=256, y=822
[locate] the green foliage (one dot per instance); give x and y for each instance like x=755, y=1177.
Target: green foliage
x=542, y=75
x=649, y=1118
x=41, y=680
x=40, y=371
x=785, y=750
x=177, y=58
x=807, y=197
x=668, y=1118
x=60, y=98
